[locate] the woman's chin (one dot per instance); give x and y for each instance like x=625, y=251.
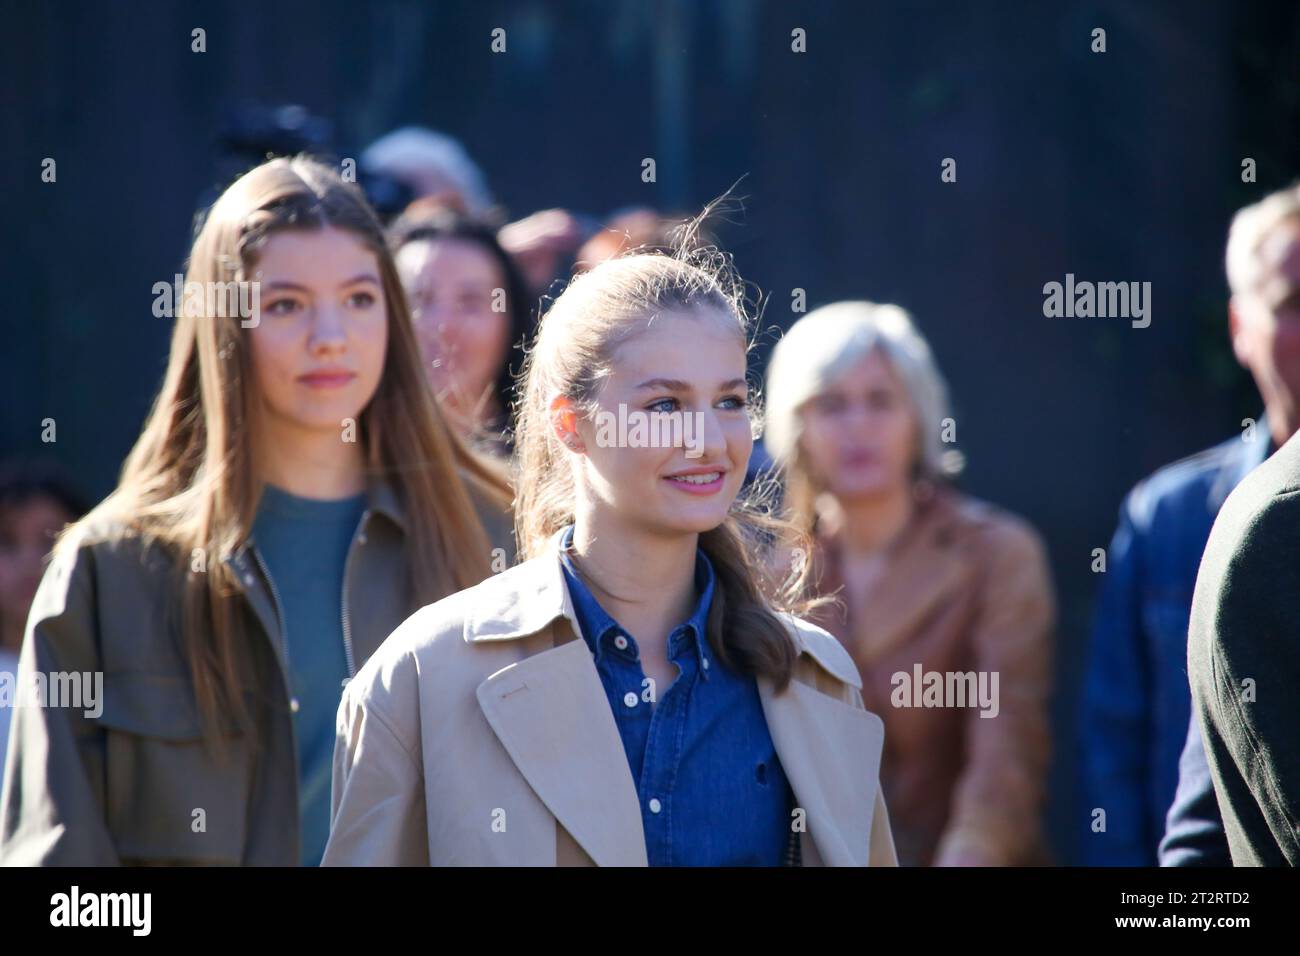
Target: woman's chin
x=862, y=487
x=344, y=422
x=694, y=520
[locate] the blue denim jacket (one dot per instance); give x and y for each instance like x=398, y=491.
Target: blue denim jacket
x=711, y=788
x=1136, y=701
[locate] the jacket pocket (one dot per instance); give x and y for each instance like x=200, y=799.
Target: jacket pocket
x=170, y=798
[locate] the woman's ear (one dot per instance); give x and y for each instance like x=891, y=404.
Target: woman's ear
x=564, y=423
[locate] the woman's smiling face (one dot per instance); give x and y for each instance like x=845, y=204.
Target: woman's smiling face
x=689, y=367
x=318, y=348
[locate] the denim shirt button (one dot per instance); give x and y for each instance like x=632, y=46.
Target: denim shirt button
x=620, y=642
x=655, y=805
x=630, y=699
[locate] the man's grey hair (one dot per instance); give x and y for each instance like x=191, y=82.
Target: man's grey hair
x=1249, y=227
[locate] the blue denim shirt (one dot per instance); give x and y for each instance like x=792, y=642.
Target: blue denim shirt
x=1136, y=701
x=711, y=788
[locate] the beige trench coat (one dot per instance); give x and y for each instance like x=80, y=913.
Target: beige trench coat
x=479, y=734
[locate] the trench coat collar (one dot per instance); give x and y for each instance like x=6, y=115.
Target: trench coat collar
x=534, y=594
x=550, y=712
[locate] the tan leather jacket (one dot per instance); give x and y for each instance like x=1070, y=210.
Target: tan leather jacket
x=137, y=784
x=965, y=589
x=480, y=735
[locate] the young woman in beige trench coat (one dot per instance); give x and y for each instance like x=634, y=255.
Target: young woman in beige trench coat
x=561, y=712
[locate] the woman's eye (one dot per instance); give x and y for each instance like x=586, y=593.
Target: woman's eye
x=361, y=300
x=735, y=401
x=282, y=306
x=663, y=405
x=828, y=404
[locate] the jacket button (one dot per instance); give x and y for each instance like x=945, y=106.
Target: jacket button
x=655, y=805
x=630, y=699
x=294, y=705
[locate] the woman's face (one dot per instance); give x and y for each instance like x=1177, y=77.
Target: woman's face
x=452, y=285
x=690, y=366
x=318, y=349
x=860, y=433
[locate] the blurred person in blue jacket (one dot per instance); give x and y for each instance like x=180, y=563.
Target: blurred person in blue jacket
x=1136, y=721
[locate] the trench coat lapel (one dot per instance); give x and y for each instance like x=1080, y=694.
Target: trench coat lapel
x=551, y=715
x=830, y=752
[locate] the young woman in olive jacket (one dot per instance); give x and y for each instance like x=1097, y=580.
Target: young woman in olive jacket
x=294, y=495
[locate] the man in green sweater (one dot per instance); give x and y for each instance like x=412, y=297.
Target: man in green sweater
x=1243, y=660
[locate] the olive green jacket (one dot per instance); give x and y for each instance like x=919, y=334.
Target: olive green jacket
x=136, y=783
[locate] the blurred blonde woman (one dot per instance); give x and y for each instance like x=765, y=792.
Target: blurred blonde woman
x=294, y=495
x=928, y=581
x=627, y=695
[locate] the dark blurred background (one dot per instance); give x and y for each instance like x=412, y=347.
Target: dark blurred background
x=1119, y=166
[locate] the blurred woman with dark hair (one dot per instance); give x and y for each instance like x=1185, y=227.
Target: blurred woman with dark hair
x=471, y=313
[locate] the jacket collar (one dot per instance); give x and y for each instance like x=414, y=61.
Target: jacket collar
x=522, y=600
x=922, y=567
x=525, y=599
x=382, y=498
x=596, y=622
x=550, y=712
x=1242, y=458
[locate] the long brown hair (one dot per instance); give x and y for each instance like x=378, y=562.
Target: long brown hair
x=571, y=354
x=189, y=482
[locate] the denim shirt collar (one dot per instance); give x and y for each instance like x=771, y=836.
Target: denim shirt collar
x=596, y=623
x=1244, y=458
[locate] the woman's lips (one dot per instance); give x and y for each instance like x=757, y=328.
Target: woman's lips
x=700, y=483
x=858, y=459
x=327, y=379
